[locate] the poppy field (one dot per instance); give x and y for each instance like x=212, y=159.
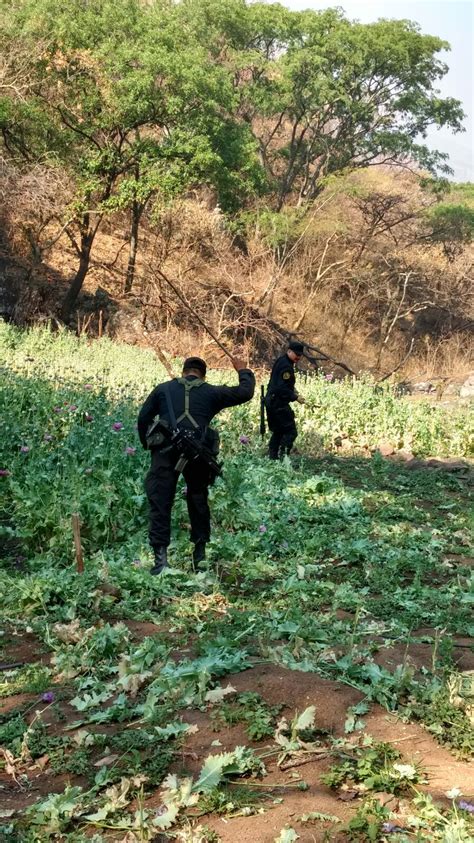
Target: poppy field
x=315, y=682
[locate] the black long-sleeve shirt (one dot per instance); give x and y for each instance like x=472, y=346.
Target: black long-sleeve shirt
x=204, y=402
x=282, y=380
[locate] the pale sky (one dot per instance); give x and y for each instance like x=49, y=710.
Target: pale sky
x=451, y=20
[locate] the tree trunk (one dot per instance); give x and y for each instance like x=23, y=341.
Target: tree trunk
x=137, y=210
x=87, y=239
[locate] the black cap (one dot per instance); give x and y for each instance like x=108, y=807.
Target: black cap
x=195, y=363
x=296, y=346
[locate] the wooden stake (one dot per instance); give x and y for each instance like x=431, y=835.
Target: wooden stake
x=76, y=529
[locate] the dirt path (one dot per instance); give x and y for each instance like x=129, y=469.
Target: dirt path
x=298, y=691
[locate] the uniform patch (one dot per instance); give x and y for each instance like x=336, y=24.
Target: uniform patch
x=286, y=376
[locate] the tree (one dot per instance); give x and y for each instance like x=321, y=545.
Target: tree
x=130, y=106
x=451, y=221
x=323, y=94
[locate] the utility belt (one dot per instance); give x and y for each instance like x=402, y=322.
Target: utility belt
x=273, y=402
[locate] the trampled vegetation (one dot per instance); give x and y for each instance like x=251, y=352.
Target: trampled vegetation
x=352, y=572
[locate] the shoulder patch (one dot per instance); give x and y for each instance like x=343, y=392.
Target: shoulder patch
x=286, y=376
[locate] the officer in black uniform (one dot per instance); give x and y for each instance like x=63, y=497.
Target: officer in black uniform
x=280, y=393
x=190, y=403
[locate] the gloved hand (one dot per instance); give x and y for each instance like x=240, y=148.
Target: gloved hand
x=300, y=399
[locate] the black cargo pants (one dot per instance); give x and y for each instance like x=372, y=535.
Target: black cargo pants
x=160, y=486
x=281, y=422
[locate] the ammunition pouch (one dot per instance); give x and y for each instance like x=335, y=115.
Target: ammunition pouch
x=155, y=435
x=187, y=444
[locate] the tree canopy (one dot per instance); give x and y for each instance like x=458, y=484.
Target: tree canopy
x=144, y=100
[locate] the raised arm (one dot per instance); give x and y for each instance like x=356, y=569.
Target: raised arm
x=231, y=396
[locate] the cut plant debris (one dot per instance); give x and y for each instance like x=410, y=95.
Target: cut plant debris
x=338, y=590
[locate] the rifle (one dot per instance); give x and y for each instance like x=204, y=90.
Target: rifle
x=262, y=411
x=188, y=447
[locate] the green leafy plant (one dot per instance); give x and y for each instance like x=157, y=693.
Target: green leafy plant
x=374, y=766
x=249, y=708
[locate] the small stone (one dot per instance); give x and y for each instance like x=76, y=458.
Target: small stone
x=467, y=389
x=404, y=456
x=386, y=449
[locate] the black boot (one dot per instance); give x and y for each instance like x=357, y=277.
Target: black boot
x=199, y=552
x=161, y=560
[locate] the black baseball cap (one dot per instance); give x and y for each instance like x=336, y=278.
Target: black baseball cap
x=296, y=346
x=195, y=363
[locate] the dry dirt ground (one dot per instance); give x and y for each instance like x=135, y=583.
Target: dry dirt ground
x=295, y=691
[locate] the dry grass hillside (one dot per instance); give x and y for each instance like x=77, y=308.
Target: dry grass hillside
x=361, y=275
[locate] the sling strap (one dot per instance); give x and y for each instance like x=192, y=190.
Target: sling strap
x=188, y=386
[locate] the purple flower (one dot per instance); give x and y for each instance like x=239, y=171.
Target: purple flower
x=47, y=697
x=389, y=828
x=57, y=409
x=185, y=491
x=4, y=472
x=137, y=563
x=244, y=440
x=466, y=806
x=72, y=407
x=117, y=426
x=130, y=451
x=88, y=417
x=87, y=386
x=47, y=437
x=330, y=376
x=25, y=449
x=262, y=528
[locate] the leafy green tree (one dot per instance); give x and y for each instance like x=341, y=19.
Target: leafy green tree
x=323, y=94
x=451, y=221
x=130, y=106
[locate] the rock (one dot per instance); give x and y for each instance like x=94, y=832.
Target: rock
x=404, y=456
x=424, y=386
x=452, y=388
x=467, y=389
x=342, y=441
x=346, y=445
x=385, y=448
x=403, y=388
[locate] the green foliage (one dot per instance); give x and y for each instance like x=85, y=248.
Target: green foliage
x=449, y=723
x=152, y=104
x=231, y=801
x=375, y=767
x=249, y=708
x=451, y=221
x=319, y=564
x=11, y=733
x=32, y=679
x=368, y=822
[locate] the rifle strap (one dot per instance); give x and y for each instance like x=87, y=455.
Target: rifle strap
x=169, y=405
